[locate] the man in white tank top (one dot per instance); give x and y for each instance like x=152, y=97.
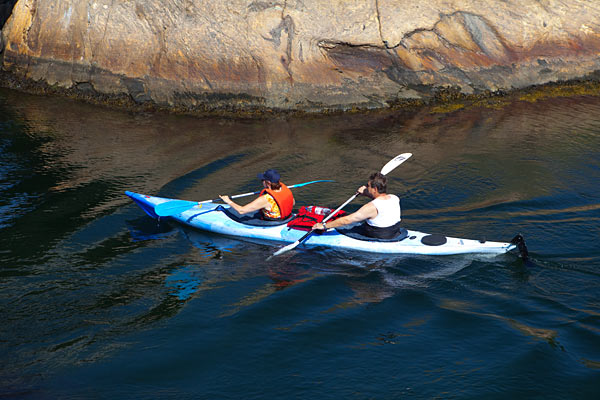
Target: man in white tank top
x=381, y=215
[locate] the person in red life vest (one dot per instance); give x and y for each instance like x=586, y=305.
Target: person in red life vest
x=381, y=215
x=275, y=201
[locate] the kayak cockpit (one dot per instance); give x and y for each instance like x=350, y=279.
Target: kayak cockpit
x=357, y=232
x=254, y=218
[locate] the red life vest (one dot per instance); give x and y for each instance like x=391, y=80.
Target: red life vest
x=284, y=199
x=308, y=216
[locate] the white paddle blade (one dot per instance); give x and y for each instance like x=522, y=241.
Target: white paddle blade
x=394, y=162
x=286, y=248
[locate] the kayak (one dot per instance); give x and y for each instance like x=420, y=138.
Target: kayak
x=222, y=219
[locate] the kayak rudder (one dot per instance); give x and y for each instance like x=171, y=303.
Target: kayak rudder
x=519, y=241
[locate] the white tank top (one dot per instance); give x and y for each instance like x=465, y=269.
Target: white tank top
x=388, y=212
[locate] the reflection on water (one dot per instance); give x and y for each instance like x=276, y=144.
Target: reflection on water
x=184, y=282
x=94, y=291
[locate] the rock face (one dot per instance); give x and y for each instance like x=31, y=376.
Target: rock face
x=299, y=54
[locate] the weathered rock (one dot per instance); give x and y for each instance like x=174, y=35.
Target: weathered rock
x=299, y=54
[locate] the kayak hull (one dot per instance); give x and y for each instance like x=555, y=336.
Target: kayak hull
x=213, y=217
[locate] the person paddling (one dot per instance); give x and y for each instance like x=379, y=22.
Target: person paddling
x=381, y=215
x=275, y=201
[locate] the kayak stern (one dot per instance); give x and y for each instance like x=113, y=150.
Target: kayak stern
x=519, y=243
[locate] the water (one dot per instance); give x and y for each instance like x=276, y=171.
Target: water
x=99, y=301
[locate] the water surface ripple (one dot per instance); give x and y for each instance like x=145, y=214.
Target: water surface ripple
x=100, y=301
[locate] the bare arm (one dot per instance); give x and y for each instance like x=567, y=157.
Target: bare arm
x=257, y=204
x=365, y=212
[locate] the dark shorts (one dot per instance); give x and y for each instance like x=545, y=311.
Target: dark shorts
x=381, y=233
x=358, y=232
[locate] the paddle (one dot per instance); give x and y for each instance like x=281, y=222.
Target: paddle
x=387, y=168
x=173, y=207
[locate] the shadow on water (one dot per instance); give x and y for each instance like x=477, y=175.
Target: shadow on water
x=89, y=283
x=194, y=178
x=145, y=228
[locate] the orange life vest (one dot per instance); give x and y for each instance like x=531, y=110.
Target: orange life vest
x=284, y=199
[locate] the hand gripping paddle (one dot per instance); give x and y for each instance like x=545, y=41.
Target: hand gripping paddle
x=387, y=168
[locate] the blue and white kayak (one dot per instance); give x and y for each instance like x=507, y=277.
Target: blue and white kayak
x=222, y=219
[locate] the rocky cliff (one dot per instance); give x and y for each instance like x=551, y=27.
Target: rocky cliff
x=299, y=54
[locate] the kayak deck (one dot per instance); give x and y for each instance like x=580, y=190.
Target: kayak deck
x=221, y=219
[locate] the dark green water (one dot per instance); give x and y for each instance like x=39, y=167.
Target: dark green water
x=98, y=301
